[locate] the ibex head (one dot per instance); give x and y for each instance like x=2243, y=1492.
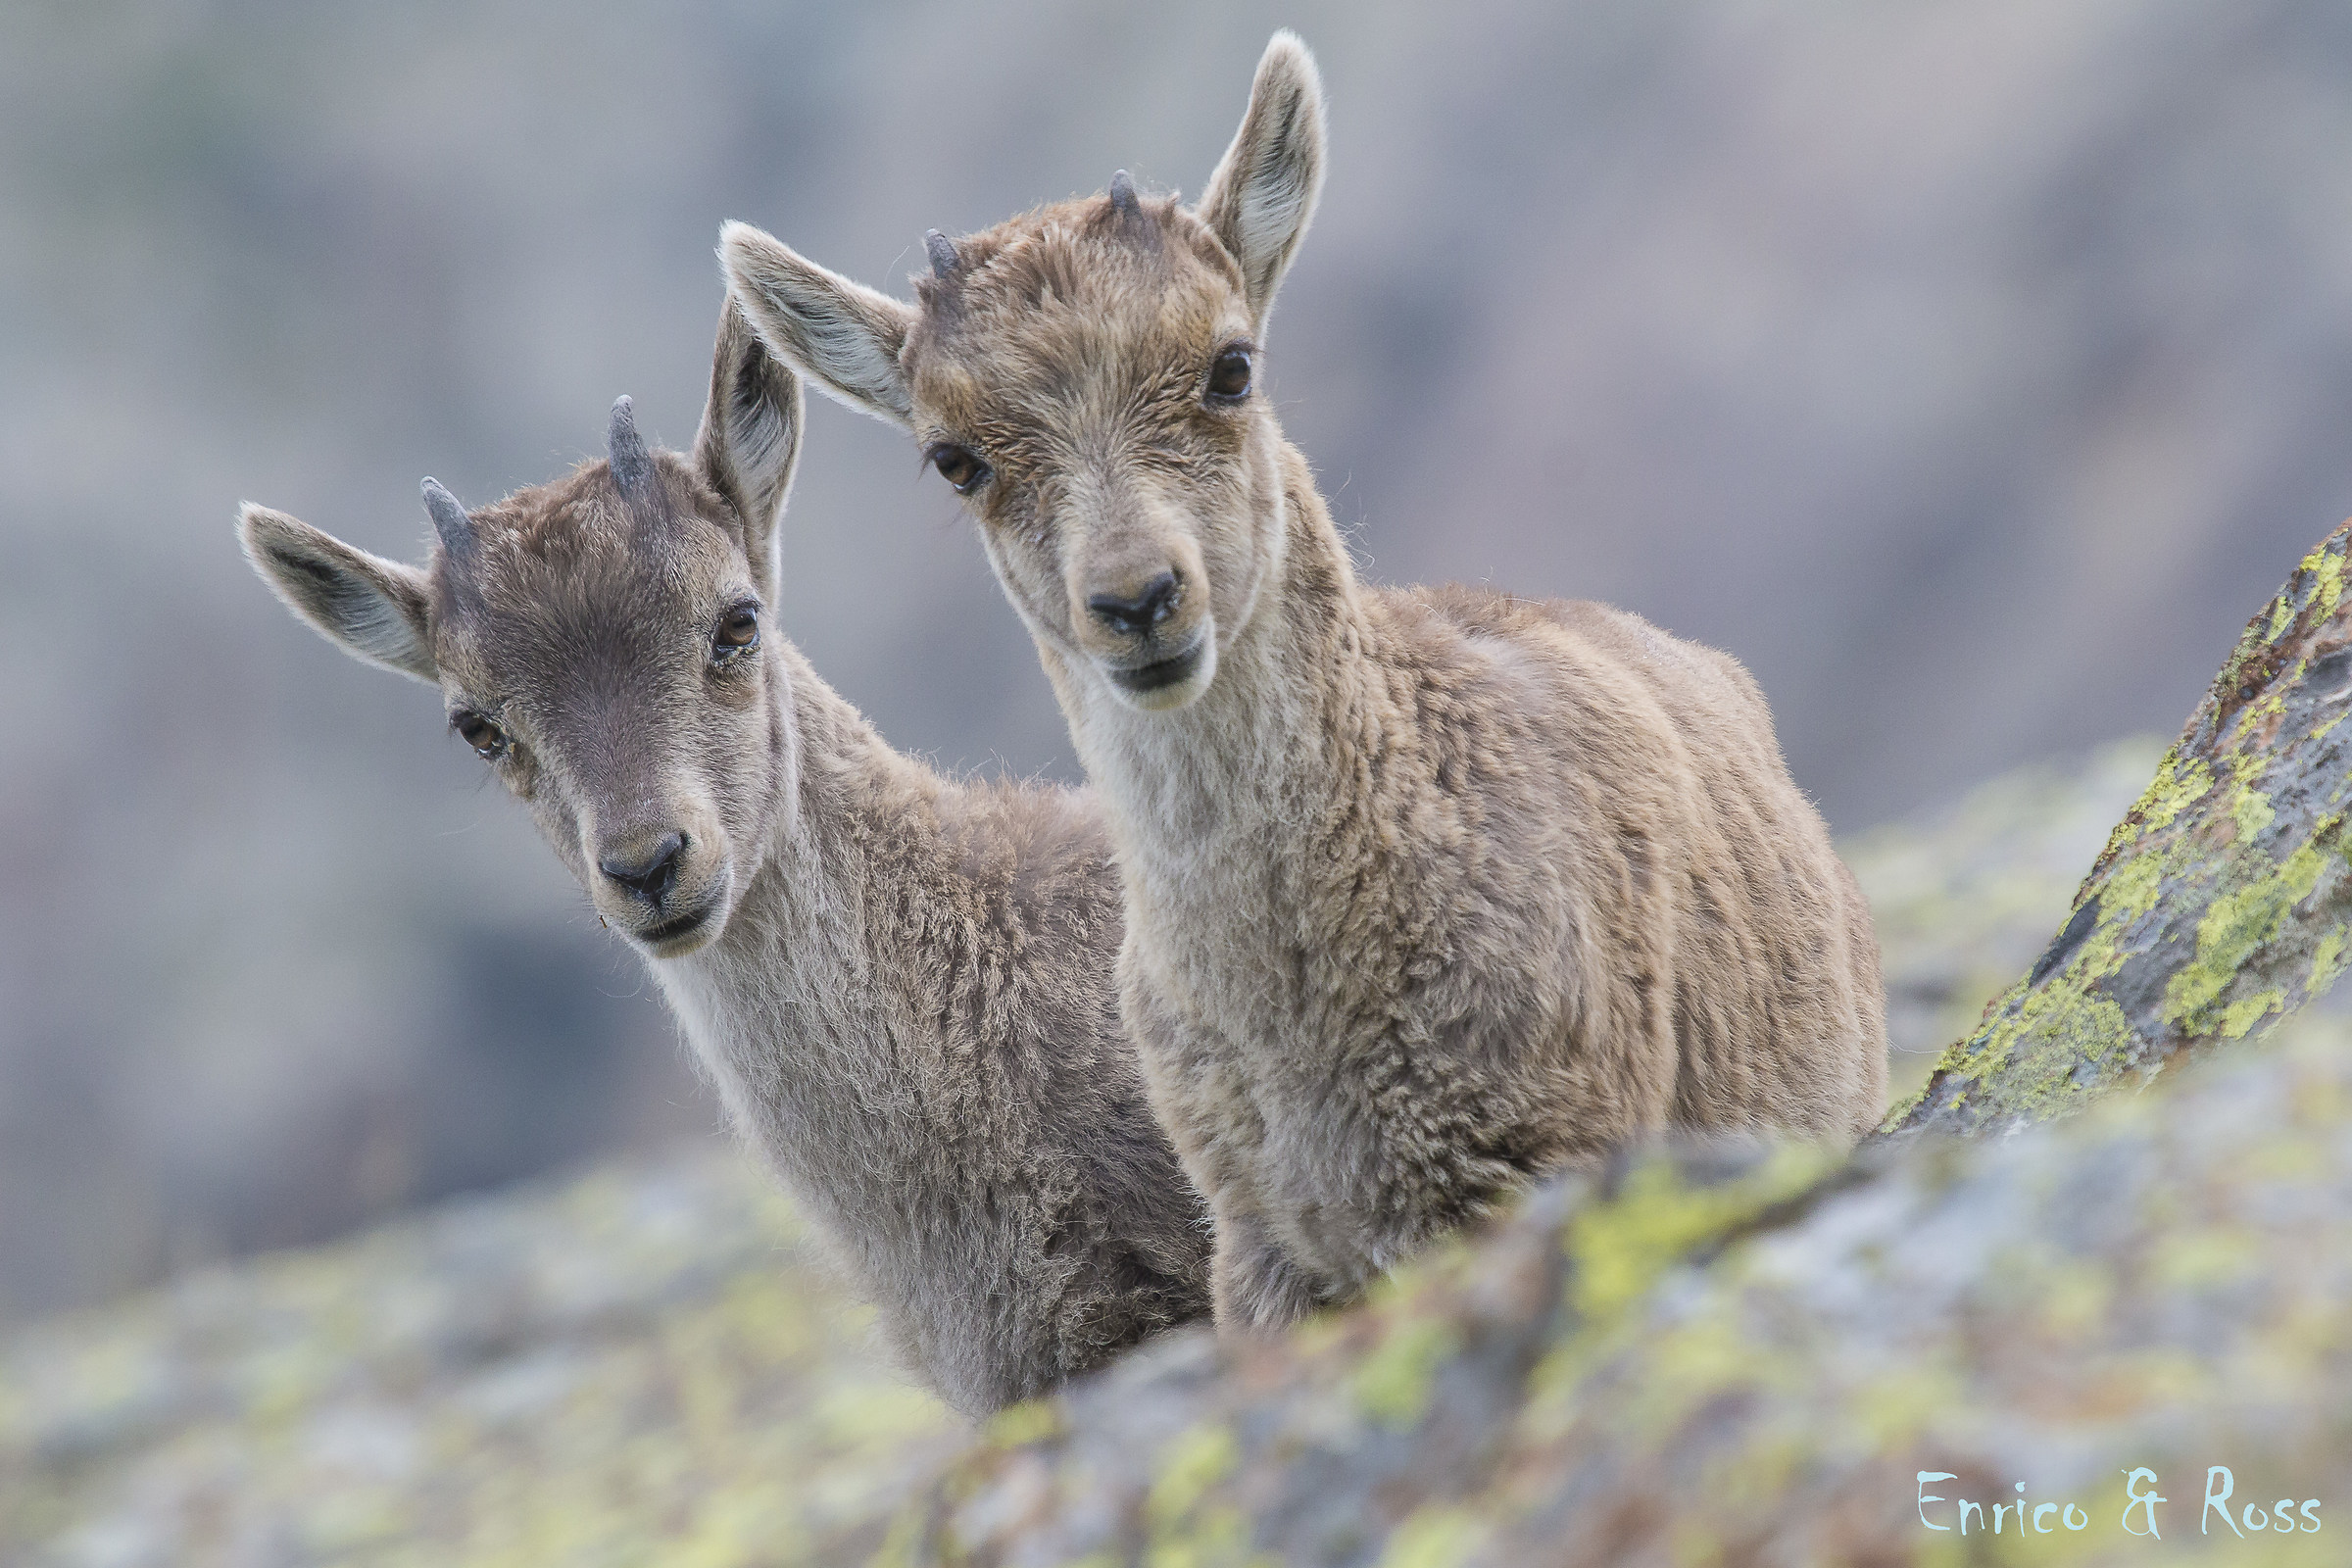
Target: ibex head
x=1086, y=376
x=597, y=641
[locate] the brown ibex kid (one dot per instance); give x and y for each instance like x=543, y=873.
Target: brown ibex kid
x=1428, y=890
x=901, y=985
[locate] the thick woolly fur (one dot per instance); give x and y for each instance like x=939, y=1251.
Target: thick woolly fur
x=901, y=985
x=1427, y=889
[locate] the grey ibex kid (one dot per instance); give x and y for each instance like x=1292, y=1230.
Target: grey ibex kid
x=901, y=985
x=1427, y=889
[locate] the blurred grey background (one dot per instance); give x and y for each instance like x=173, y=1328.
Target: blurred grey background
x=1972, y=369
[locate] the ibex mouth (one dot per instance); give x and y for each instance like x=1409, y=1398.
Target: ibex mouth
x=673, y=939
x=1169, y=682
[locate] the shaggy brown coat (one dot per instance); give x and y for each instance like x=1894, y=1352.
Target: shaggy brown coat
x=899, y=984
x=1428, y=890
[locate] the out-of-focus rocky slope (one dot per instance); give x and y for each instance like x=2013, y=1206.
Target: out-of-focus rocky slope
x=1717, y=1359
x=1708, y=1356
x=649, y=1364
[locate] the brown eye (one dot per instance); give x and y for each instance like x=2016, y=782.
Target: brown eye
x=488, y=741
x=959, y=467
x=1229, y=376
x=738, y=629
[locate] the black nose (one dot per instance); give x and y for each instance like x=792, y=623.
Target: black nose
x=651, y=877
x=1153, y=603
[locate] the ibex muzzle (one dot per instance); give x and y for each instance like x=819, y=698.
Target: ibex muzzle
x=1139, y=606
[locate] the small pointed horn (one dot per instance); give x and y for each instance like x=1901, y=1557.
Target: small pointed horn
x=1122, y=194
x=449, y=520
x=942, y=251
x=632, y=464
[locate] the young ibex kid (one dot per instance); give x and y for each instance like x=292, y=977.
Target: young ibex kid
x=901, y=985
x=1427, y=889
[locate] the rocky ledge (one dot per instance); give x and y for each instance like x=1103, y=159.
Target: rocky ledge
x=2117, y=1325
x=651, y=1364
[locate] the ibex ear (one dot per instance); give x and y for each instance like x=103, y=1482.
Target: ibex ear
x=1262, y=196
x=841, y=335
x=750, y=441
x=374, y=607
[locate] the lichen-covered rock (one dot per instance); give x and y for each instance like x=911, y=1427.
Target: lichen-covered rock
x=1711, y=1351
x=646, y=1366
x=1965, y=894
x=2222, y=901
x=1755, y=1359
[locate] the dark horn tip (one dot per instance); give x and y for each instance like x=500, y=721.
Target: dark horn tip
x=942, y=251
x=1122, y=192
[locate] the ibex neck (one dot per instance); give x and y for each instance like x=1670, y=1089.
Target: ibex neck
x=797, y=1009
x=1257, y=744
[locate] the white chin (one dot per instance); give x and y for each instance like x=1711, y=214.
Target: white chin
x=694, y=941
x=1164, y=695
x=674, y=937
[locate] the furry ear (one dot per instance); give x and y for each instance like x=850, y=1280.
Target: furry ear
x=750, y=441
x=373, y=608
x=1262, y=196
x=841, y=335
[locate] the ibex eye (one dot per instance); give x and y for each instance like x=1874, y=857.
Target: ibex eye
x=959, y=467
x=1229, y=376
x=738, y=630
x=488, y=741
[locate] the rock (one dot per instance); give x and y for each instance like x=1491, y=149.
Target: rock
x=1966, y=894
x=1754, y=1357
x=646, y=1363
x=1706, y=1354
x=2222, y=903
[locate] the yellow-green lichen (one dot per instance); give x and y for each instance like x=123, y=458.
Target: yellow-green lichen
x=1619, y=1249
x=1891, y=1409
x=1191, y=1464
x=2238, y=925
x=2177, y=787
x=2327, y=567
x=2195, y=1259
x=2251, y=717
x=2241, y=1016
x=2327, y=962
x=1693, y=1365
x=2252, y=811
x=1391, y=1385
x=1019, y=1425
x=2031, y=1059
x=1435, y=1536
x=2041, y=1045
